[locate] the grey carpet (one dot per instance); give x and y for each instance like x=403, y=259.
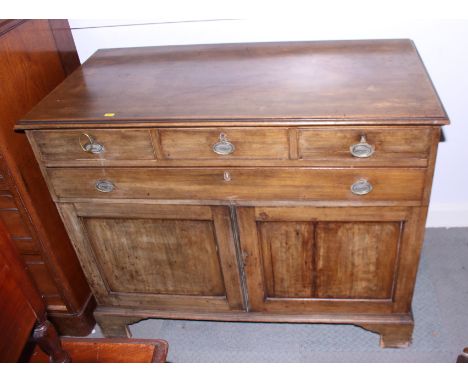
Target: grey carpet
x=440, y=308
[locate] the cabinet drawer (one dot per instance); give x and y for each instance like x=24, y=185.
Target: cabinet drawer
x=70, y=145
x=258, y=143
x=237, y=183
x=394, y=145
x=14, y=223
x=26, y=245
x=7, y=201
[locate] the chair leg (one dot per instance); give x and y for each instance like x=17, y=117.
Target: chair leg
x=48, y=340
x=463, y=358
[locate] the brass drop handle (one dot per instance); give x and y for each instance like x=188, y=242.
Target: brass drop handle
x=361, y=187
x=90, y=145
x=105, y=186
x=223, y=146
x=362, y=149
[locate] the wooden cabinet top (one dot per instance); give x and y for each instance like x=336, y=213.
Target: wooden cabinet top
x=299, y=83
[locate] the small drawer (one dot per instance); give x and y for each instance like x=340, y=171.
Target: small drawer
x=240, y=183
x=224, y=144
x=26, y=245
x=7, y=202
x=70, y=145
x=366, y=146
x=14, y=223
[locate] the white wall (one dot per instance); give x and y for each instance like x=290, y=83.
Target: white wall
x=442, y=44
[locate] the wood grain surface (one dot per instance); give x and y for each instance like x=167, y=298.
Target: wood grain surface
x=244, y=183
x=31, y=65
x=345, y=81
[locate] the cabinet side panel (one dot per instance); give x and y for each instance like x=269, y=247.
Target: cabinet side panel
x=30, y=67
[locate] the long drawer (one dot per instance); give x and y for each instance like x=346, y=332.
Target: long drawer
x=239, y=183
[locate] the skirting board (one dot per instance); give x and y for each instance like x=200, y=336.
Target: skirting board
x=447, y=215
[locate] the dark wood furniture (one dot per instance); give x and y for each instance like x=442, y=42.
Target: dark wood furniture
x=268, y=182
x=22, y=309
x=36, y=55
x=23, y=313
x=107, y=350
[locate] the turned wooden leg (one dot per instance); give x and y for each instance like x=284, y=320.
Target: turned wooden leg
x=48, y=340
x=114, y=326
x=463, y=358
x=392, y=335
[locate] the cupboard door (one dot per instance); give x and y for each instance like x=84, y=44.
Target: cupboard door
x=157, y=256
x=307, y=260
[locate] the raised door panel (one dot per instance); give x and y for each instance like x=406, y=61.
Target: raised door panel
x=157, y=256
x=356, y=260
x=312, y=260
x=287, y=249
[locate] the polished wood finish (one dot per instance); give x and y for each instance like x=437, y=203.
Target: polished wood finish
x=348, y=82
x=30, y=67
x=98, y=350
x=46, y=337
x=271, y=230
x=23, y=308
x=15, y=333
x=65, y=45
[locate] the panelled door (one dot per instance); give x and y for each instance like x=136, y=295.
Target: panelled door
x=157, y=256
x=314, y=259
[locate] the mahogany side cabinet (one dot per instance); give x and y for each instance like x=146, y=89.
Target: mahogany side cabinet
x=265, y=182
x=35, y=56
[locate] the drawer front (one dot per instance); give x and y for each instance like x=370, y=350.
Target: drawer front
x=7, y=202
x=411, y=146
x=239, y=183
x=26, y=245
x=70, y=145
x=14, y=223
x=224, y=144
